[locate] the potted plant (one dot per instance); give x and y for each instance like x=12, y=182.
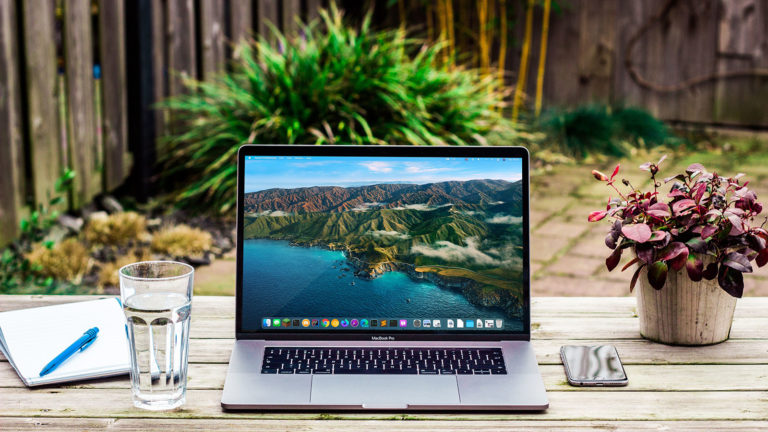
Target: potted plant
x=690, y=243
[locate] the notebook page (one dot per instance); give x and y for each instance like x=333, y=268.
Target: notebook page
x=33, y=337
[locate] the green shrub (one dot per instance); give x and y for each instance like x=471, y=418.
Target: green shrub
x=597, y=129
x=333, y=85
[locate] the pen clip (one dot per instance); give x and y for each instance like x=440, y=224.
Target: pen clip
x=87, y=344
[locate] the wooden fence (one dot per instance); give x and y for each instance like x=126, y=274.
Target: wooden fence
x=79, y=78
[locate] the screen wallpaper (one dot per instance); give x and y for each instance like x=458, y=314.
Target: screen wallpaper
x=382, y=244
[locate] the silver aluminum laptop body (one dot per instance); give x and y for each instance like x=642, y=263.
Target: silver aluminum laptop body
x=246, y=387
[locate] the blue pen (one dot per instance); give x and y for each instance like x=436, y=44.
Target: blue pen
x=82, y=343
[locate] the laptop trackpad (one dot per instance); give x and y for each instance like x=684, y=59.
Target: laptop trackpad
x=381, y=392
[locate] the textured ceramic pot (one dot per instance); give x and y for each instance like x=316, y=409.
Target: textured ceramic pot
x=684, y=312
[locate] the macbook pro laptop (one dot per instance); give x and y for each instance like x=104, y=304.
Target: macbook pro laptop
x=383, y=278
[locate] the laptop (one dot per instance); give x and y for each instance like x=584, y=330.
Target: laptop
x=383, y=278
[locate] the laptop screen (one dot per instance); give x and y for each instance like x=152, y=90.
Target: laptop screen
x=382, y=244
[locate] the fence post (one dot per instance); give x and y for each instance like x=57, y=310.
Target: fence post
x=11, y=134
x=40, y=72
x=112, y=34
x=81, y=128
x=212, y=51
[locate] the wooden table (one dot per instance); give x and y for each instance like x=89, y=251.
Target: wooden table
x=720, y=387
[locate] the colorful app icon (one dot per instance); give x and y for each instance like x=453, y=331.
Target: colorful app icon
x=326, y=322
x=459, y=323
x=315, y=322
x=276, y=322
x=449, y=323
x=403, y=323
x=383, y=323
x=417, y=323
x=267, y=322
x=353, y=323
x=489, y=323
x=364, y=322
x=393, y=323
x=479, y=323
x=499, y=323
x=305, y=322
x=334, y=323
x=470, y=323
x=344, y=322
x=427, y=323
x=374, y=323
x=436, y=323
x=286, y=322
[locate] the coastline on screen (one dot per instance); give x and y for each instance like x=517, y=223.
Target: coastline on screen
x=382, y=243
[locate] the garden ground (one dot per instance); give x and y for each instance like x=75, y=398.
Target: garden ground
x=568, y=253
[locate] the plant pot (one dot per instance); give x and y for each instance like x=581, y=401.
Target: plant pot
x=684, y=312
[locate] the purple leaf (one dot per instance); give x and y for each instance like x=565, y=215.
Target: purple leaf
x=731, y=281
x=695, y=167
x=596, y=215
x=683, y=205
x=674, y=249
x=657, y=274
x=762, y=258
x=645, y=252
x=637, y=232
x=710, y=272
x=613, y=260
x=646, y=166
x=661, y=160
x=660, y=210
x=630, y=264
x=708, y=231
x=738, y=262
x=615, y=171
x=737, y=225
x=695, y=268
x=635, y=276
x=658, y=236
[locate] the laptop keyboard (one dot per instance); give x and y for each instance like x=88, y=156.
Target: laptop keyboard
x=423, y=361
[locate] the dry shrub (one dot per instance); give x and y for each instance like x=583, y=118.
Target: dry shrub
x=108, y=275
x=181, y=240
x=116, y=229
x=67, y=260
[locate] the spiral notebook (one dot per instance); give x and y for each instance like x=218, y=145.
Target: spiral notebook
x=30, y=338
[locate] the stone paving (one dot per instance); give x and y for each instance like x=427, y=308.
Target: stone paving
x=568, y=253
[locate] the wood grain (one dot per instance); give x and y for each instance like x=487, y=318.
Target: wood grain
x=81, y=126
x=12, y=188
x=212, y=49
x=113, y=84
x=268, y=14
x=45, y=148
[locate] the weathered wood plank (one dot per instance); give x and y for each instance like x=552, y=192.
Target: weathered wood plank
x=12, y=188
x=45, y=148
x=207, y=376
x=597, y=40
x=212, y=51
x=291, y=12
x=115, y=102
x=267, y=14
x=313, y=9
x=214, y=306
x=741, y=46
x=570, y=405
x=240, y=23
x=139, y=424
x=81, y=127
x=182, y=58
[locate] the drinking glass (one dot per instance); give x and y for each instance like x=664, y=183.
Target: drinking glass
x=157, y=297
